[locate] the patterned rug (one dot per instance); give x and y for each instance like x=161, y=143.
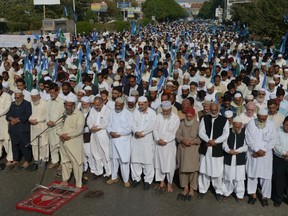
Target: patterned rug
x=47, y=201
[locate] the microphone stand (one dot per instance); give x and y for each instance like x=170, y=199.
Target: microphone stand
x=39, y=162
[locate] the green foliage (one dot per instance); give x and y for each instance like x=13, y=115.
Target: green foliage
x=17, y=26
x=3, y=27
x=264, y=17
x=163, y=10
x=208, y=9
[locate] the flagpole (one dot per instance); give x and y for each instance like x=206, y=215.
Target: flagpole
x=44, y=11
x=75, y=27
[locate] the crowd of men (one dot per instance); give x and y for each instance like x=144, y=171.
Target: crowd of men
x=174, y=95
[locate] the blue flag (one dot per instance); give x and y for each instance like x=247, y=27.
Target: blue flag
x=123, y=52
x=65, y=11
x=264, y=81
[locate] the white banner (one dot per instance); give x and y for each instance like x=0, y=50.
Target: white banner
x=19, y=40
x=46, y=2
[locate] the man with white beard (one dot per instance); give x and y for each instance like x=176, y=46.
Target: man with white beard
x=98, y=122
x=260, y=136
x=260, y=101
x=234, y=161
x=88, y=158
x=131, y=104
x=142, y=144
x=119, y=129
x=5, y=103
x=166, y=126
x=213, y=130
x=38, y=124
x=249, y=114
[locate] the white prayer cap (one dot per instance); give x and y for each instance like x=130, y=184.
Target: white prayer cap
x=280, y=56
x=228, y=114
x=222, y=57
x=34, y=92
x=185, y=87
x=70, y=99
x=82, y=91
x=90, y=72
x=154, y=79
x=237, y=119
x=142, y=99
x=271, y=82
x=44, y=72
x=119, y=100
x=128, y=67
x=206, y=100
x=116, y=83
x=20, y=72
x=237, y=95
x=263, y=64
x=170, y=78
x=204, y=66
x=272, y=96
x=87, y=88
x=47, y=78
x=201, y=79
x=72, y=77
x=276, y=76
x=286, y=69
x=253, y=57
x=152, y=88
x=131, y=99
x=145, y=79
x=117, y=77
x=209, y=86
x=166, y=105
x=262, y=112
x=5, y=84
x=73, y=67
x=262, y=90
x=86, y=99
x=249, y=97
x=18, y=91
x=253, y=78
x=134, y=92
x=169, y=83
x=186, y=76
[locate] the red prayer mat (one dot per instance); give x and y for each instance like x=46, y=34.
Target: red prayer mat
x=47, y=201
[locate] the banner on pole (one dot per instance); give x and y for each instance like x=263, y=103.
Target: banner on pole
x=46, y=2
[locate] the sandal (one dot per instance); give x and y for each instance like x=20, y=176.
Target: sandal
x=159, y=190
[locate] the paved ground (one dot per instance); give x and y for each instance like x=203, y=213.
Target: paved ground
x=117, y=200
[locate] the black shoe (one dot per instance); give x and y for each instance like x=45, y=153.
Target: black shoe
x=277, y=204
x=146, y=186
x=135, y=184
x=2, y=166
x=180, y=196
x=251, y=200
x=188, y=197
x=264, y=202
x=33, y=167
x=219, y=197
x=200, y=196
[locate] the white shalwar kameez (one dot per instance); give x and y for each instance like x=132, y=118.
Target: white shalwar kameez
x=260, y=167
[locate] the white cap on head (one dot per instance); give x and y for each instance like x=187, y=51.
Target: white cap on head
x=44, y=72
x=145, y=79
x=18, y=91
x=253, y=78
x=185, y=87
x=237, y=95
x=249, y=97
x=228, y=114
x=70, y=99
x=74, y=67
x=82, y=91
x=131, y=99
x=280, y=55
x=237, y=119
x=262, y=90
x=119, y=100
x=90, y=72
x=169, y=83
x=271, y=82
x=34, y=92
x=202, y=79
x=209, y=86
x=87, y=88
x=117, y=77
x=20, y=72
x=142, y=99
x=262, y=112
x=170, y=79
x=276, y=76
x=47, y=78
x=154, y=79
x=152, y=88
x=166, y=105
x=116, y=83
x=86, y=99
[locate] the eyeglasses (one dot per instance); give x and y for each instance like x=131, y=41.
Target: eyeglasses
x=17, y=97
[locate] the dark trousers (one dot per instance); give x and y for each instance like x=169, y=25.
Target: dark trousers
x=19, y=148
x=280, y=178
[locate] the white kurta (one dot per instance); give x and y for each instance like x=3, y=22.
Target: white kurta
x=165, y=129
x=142, y=149
x=100, y=139
x=257, y=139
x=212, y=166
x=120, y=123
x=234, y=171
x=39, y=113
x=277, y=119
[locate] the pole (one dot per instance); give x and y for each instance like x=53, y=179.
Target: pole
x=124, y=11
x=44, y=12
x=75, y=27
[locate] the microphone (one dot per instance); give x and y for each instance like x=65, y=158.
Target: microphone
x=64, y=116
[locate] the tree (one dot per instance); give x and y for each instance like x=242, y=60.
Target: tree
x=264, y=17
x=163, y=10
x=208, y=8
